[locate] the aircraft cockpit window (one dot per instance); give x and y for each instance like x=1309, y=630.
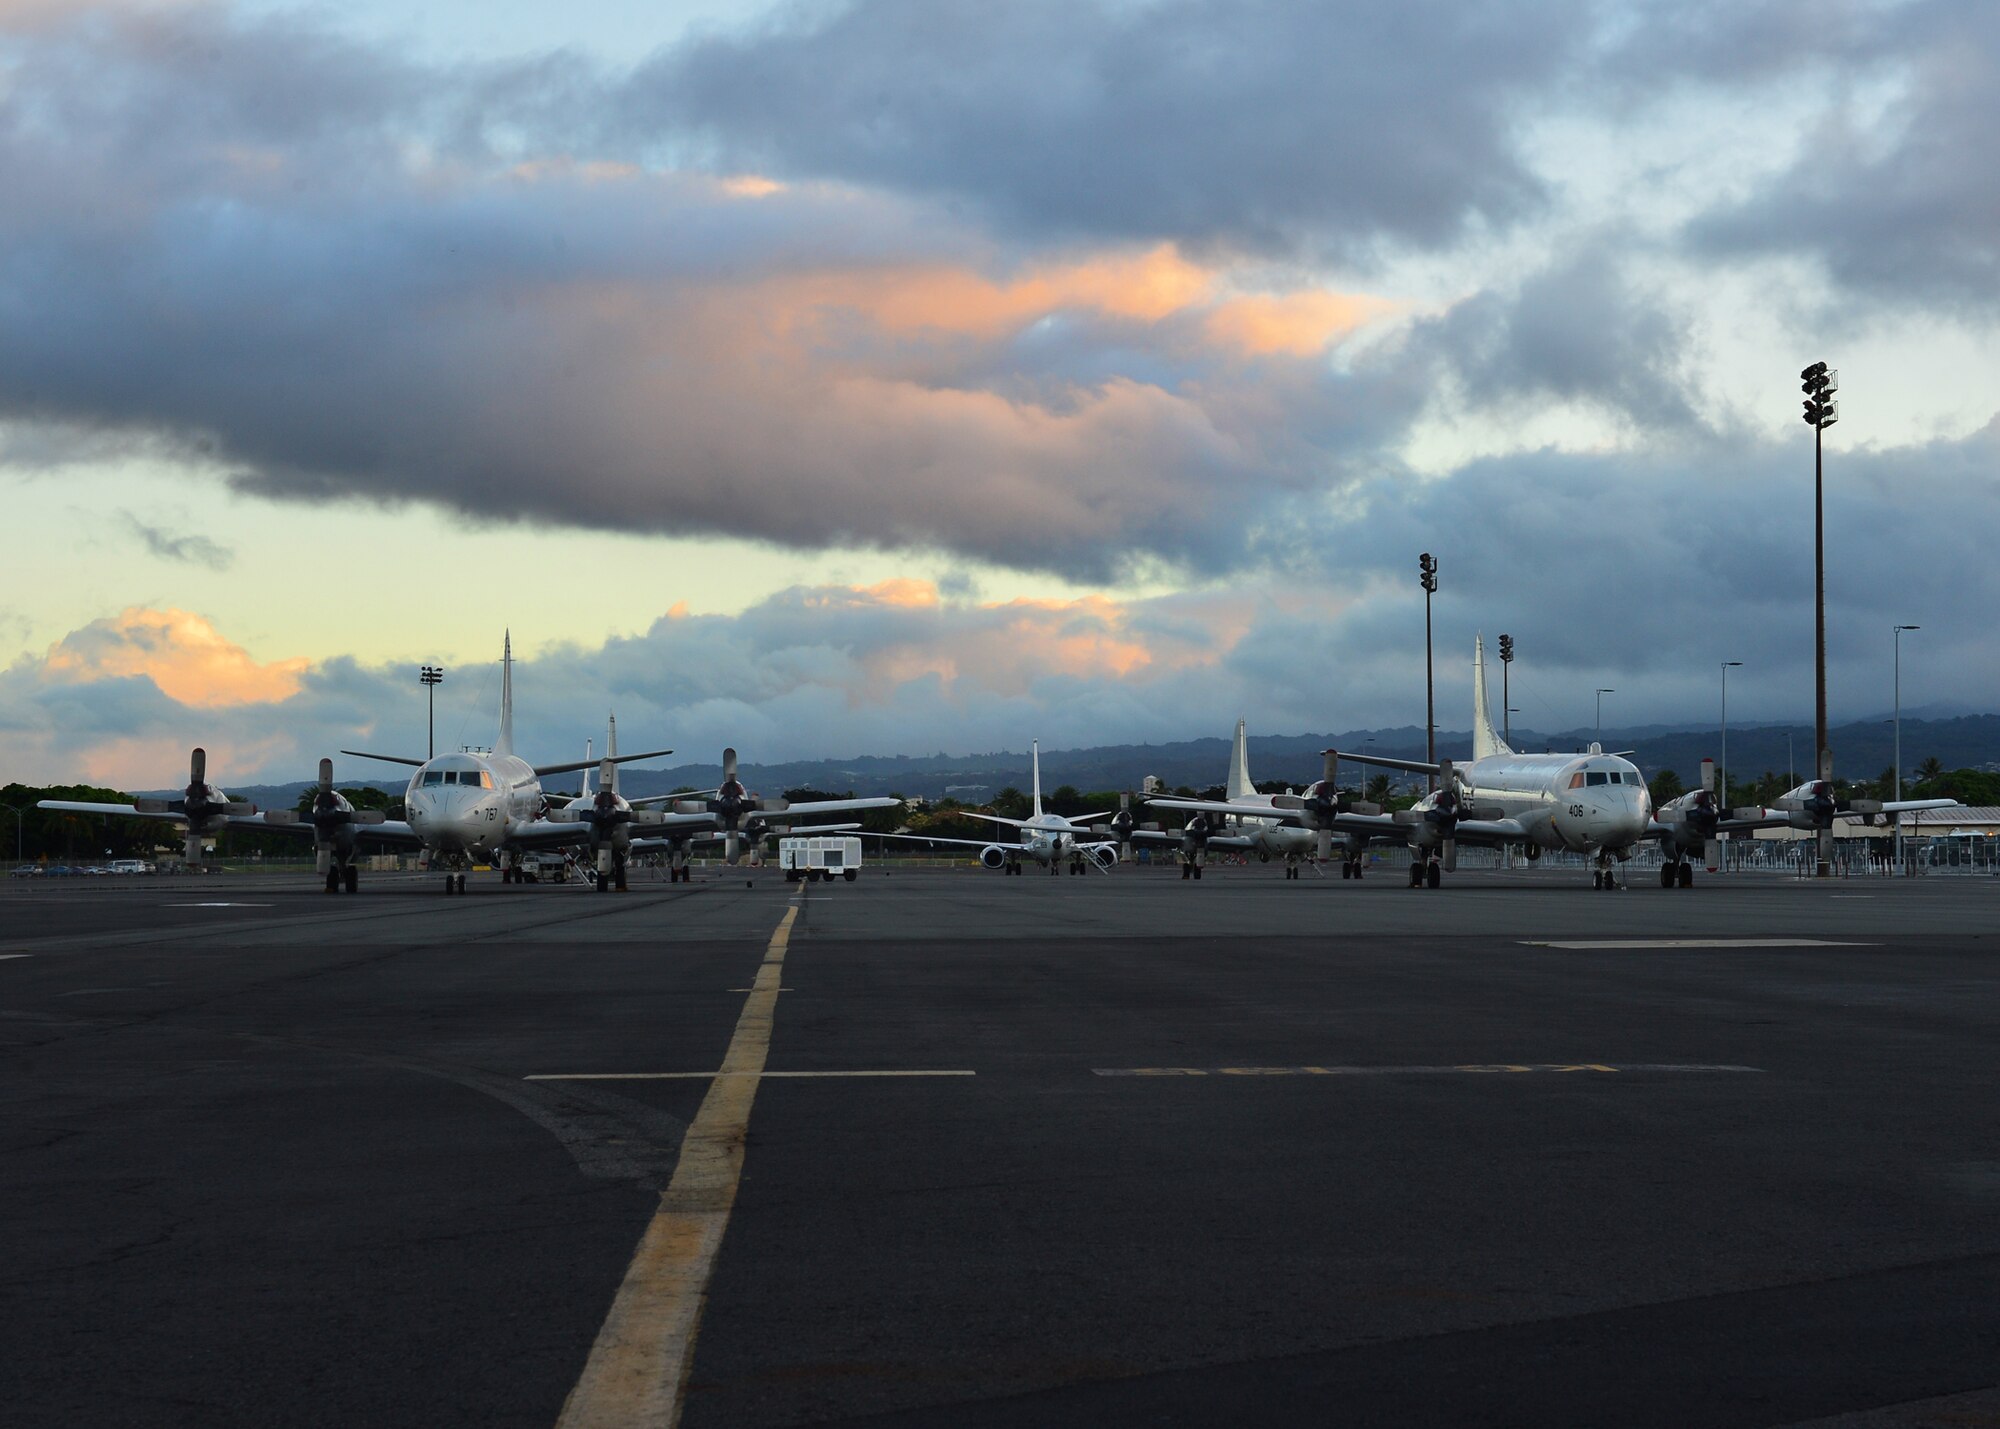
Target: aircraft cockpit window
x=1576, y=780
x=432, y=777
x=1597, y=777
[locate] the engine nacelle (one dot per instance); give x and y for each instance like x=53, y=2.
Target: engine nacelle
x=993, y=856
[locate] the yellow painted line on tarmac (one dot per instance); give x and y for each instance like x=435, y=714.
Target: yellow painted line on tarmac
x=637, y=1371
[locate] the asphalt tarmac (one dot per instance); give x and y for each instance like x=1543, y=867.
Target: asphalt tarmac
x=1109, y=1150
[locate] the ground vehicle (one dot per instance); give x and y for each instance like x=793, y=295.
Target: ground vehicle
x=129, y=865
x=549, y=865
x=821, y=856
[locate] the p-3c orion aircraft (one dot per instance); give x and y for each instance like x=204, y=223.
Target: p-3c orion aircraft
x=475, y=807
x=1591, y=803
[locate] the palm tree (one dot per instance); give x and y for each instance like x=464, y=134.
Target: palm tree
x=1931, y=768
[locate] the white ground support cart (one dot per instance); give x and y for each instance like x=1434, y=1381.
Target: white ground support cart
x=821, y=856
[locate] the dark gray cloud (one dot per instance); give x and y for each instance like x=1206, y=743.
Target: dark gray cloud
x=1244, y=122
x=1580, y=330
x=1901, y=207
x=191, y=549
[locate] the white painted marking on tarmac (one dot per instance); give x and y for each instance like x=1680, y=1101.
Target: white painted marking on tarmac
x=1614, y=944
x=215, y=905
x=711, y=1076
x=1461, y=1069
x=5, y=956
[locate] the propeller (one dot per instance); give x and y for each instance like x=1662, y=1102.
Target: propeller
x=1121, y=824
x=1323, y=803
x=729, y=803
x=200, y=802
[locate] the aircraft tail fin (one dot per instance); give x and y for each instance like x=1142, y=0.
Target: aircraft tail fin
x=1240, y=786
x=1485, y=742
x=1037, y=811
x=506, y=742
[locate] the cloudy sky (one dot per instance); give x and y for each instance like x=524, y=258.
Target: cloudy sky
x=912, y=375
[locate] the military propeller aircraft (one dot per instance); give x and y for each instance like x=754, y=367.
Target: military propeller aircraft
x=488, y=806
x=734, y=814
x=1694, y=823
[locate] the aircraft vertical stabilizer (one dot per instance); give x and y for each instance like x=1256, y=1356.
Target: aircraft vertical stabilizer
x=1240, y=786
x=1037, y=812
x=1485, y=743
x=506, y=744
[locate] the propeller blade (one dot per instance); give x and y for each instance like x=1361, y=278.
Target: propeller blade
x=1330, y=768
x=326, y=774
x=607, y=774
x=234, y=808
x=729, y=767
x=198, y=766
x=283, y=816
x=732, y=844
x=155, y=806
x=368, y=816
x=1325, y=848
x=1711, y=854
x=191, y=845
x=1708, y=775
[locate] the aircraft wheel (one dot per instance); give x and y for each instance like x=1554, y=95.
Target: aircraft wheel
x=1687, y=875
x=1597, y=878
x=351, y=877
x=603, y=883
x=1416, y=875
x=1263, y=857
x=1197, y=870
x=1666, y=875
x=333, y=880
x=618, y=878
x=1433, y=876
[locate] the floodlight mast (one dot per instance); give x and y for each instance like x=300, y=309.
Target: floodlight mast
x=1427, y=569
x=430, y=676
x=1819, y=382
x=1506, y=699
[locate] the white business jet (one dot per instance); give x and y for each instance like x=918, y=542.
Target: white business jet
x=1049, y=839
x=488, y=806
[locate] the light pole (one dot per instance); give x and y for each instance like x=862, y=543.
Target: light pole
x=1898, y=637
x=430, y=677
x=17, y=829
x=1600, y=712
x=1727, y=666
x=1427, y=568
x=1819, y=384
x=1506, y=700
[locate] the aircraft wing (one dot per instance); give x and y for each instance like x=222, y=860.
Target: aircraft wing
x=393, y=833
x=545, y=833
x=1490, y=833
x=831, y=806
x=1383, y=761
x=1262, y=812
x=990, y=818
x=126, y=811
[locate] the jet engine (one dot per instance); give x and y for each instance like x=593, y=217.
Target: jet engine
x=993, y=856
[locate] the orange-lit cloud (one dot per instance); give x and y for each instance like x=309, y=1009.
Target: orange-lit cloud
x=1292, y=324
x=181, y=652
